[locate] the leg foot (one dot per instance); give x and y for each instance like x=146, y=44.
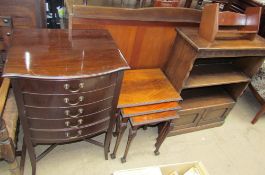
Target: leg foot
x=123, y=160
x=156, y=153
x=113, y=156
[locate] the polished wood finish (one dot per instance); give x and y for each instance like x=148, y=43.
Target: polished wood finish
x=144, y=87
x=149, y=109
x=211, y=76
x=212, y=21
x=166, y=3
x=66, y=86
x=134, y=29
x=25, y=13
x=146, y=98
x=241, y=5
x=74, y=56
x=152, y=118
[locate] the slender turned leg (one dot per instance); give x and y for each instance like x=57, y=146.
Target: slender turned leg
x=145, y=127
x=32, y=157
x=8, y=149
x=163, y=137
x=118, y=126
x=109, y=136
x=259, y=114
x=123, y=126
x=132, y=134
x=23, y=157
x=162, y=132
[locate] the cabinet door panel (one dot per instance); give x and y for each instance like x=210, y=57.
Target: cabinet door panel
x=216, y=114
x=188, y=119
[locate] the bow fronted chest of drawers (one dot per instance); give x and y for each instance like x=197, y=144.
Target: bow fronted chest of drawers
x=66, y=85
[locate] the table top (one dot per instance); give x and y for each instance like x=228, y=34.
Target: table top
x=145, y=87
x=150, y=109
x=153, y=118
x=60, y=54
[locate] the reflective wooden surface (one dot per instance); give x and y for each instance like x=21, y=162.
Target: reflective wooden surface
x=146, y=86
x=58, y=54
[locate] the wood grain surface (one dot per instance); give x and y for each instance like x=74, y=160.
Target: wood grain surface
x=146, y=86
x=60, y=54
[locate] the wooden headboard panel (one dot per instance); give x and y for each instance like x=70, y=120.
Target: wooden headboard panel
x=145, y=36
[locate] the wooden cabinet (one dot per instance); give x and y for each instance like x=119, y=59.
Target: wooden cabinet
x=66, y=85
x=24, y=13
x=211, y=76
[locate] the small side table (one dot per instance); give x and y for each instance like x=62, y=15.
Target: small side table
x=146, y=98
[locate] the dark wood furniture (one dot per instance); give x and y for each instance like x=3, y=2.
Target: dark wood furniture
x=146, y=98
x=134, y=29
x=241, y=5
x=6, y=26
x=66, y=86
x=257, y=86
x=211, y=75
x=8, y=127
x=227, y=25
x=25, y=13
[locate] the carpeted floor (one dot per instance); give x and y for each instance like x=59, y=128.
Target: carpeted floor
x=236, y=148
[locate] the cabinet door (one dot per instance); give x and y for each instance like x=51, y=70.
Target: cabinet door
x=188, y=119
x=215, y=114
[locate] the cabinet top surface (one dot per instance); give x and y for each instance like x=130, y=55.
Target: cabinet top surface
x=59, y=54
x=145, y=87
x=191, y=35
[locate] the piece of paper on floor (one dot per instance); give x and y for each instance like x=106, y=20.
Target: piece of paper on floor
x=140, y=171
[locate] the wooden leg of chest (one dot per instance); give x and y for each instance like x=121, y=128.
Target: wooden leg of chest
x=162, y=136
x=8, y=150
x=132, y=134
x=122, y=126
x=259, y=114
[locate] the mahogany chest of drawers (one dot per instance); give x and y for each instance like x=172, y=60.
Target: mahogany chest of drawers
x=66, y=85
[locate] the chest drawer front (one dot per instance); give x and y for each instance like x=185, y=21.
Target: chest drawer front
x=71, y=123
x=38, y=100
x=67, y=112
x=68, y=135
x=66, y=86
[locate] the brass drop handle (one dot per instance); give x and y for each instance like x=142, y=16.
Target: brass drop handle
x=68, y=123
x=79, y=132
x=80, y=99
x=5, y=20
x=80, y=111
x=68, y=87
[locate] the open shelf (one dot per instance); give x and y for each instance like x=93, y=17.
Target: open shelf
x=205, y=97
x=215, y=74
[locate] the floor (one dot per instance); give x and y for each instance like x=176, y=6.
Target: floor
x=236, y=148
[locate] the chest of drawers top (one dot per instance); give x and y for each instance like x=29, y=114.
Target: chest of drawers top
x=62, y=54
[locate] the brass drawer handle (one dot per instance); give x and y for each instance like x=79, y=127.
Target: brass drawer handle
x=80, y=111
x=5, y=20
x=68, y=87
x=68, y=123
x=80, y=99
x=79, y=132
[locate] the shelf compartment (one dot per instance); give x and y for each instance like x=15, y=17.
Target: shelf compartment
x=215, y=74
x=200, y=98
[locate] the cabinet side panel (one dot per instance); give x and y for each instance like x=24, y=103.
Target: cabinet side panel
x=180, y=63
